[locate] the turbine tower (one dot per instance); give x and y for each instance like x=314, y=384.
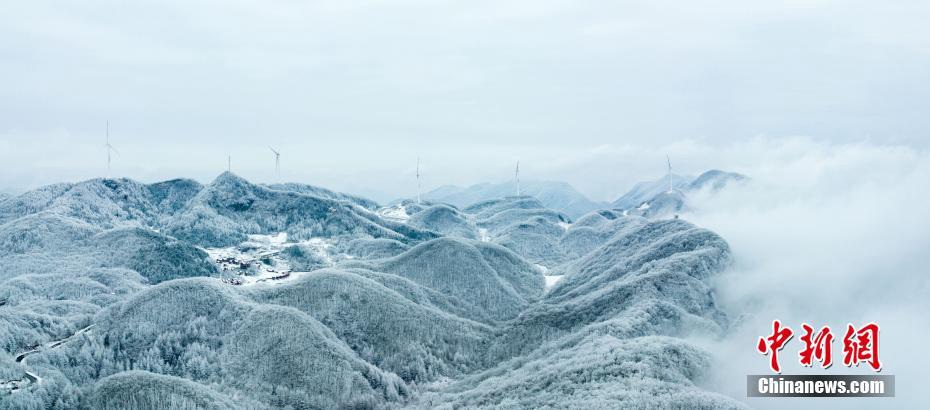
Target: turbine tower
x=277, y=162
x=228, y=163
x=516, y=177
x=110, y=149
x=669, y=173
x=418, y=180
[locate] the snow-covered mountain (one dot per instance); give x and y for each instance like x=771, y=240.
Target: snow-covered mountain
x=646, y=190
x=238, y=295
x=556, y=195
x=325, y=193
x=715, y=180
x=654, y=199
x=230, y=208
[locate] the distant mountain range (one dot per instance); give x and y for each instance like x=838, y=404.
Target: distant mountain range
x=563, y=197
x=646, y=190
x=555, y=195
x=655, y=199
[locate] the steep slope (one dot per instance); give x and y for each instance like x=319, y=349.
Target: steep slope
x=417, y=342
x=204, y=331
x=609, y=335
x=652, y=268
x=445, y=220
x=601, y=371
x=150, y=391
x=536, y=239
x=171, y=196
x=502, y=220
x=366, y=248
x=496, y=285
x=523, y=225
x=425, y=296
x=37, y=308
x=590, y=232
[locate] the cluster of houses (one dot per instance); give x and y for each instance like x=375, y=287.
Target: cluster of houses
x=230, y=263
x=242, y=267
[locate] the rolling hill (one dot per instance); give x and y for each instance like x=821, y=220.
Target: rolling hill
x=115, y=293
x=559, y=196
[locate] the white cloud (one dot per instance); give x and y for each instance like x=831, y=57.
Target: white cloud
x=827, y=235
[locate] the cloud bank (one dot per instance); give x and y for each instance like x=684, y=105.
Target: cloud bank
x=825, y=234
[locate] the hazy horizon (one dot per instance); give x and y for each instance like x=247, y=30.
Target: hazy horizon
x=592, y=94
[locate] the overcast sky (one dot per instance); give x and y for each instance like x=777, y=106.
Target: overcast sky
x=590, y=92
x=823, y=103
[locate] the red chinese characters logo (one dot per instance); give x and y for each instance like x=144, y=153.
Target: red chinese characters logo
x=859, y=345
x=772, y=344
x=819, y=347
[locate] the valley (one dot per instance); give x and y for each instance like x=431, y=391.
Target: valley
x=240, y=295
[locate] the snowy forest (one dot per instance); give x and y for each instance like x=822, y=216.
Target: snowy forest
x=117, y=294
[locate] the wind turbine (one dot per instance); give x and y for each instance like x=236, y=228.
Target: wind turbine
x=517, y=177
x=228, y=163
x=669, y=173
x=418, y=180
x=277, y=162
x=110, y=149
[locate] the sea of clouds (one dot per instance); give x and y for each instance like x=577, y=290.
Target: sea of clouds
x=825, y=234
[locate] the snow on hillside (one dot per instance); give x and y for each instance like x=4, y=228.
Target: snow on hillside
x=653, y=199
x=555, y=195
x=238, y=295
x=262, y=259
x=395, y=213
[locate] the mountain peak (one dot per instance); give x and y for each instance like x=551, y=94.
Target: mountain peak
x=228, y=180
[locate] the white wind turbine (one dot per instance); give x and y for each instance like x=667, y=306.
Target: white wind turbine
x=277, y=162
x=516, y=177
x=110, y=149
x=418, y=180
x=669, y=173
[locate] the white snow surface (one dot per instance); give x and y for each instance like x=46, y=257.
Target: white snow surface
x=551, y=280
x=394, y=213
x=260, y=254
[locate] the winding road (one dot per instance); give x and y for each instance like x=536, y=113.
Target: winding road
x=30, y=377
